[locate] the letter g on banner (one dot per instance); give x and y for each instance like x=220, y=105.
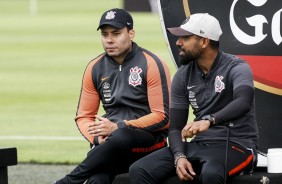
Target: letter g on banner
x=257, y=22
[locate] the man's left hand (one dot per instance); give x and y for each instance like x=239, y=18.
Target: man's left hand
x=103, y=127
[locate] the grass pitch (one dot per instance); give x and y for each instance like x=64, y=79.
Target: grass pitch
x=43, y=55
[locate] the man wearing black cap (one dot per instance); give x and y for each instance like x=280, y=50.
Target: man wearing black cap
x=133, y=85
x=219, y=88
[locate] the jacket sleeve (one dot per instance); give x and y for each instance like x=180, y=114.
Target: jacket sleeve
x=158, y=86
x=243, y=94
x=86, y=111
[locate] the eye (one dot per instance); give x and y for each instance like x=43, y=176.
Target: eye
x=104, y=34
x=116, y=33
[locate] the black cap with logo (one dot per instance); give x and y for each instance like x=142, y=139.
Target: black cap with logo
x=116, y=17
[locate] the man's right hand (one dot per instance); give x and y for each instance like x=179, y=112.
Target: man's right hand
x=193, y=128
x=184, y=170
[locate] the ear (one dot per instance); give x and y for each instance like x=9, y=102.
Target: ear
x=131, y=34
x=206, y=42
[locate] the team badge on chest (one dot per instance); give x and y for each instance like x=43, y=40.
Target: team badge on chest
x=134, y=77
x=218, y=84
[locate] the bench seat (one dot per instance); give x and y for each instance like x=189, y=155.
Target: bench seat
x=258, y=177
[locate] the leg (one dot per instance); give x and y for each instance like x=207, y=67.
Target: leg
x=116, y=147
x=99, y=178
x=212, y=159
x=212, y=173
x=120, y=166
x=153, y=168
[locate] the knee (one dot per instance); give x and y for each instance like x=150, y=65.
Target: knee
x=141, y=171
x=138, y=174
x=211, y=177
x=119, y=136
x=132, y=138
x=121, y=133
x=136, y=169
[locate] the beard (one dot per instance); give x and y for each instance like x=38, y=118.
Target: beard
x=186, y=58
x=189, y=56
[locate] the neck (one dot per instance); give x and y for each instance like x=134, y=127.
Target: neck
x=119, y=59
x=206, y=61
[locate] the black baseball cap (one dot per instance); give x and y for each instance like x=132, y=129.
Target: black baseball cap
x=116, y=17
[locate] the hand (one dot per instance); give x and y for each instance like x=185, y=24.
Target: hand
x=103, y=127
x=194, y=128
x=102, y=139
x=184, y=170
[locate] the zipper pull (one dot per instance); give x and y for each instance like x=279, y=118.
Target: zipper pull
x=119, y=67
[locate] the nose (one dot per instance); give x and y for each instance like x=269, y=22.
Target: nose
x=179, y=41
x=109, y=39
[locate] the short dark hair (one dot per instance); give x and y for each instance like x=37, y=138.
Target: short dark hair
x=214, y=44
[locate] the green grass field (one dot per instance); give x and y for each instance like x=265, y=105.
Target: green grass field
x=42, y=60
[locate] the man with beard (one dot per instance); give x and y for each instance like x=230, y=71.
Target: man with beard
x=219, y=88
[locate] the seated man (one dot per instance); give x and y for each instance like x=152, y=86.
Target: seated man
x=219, y=87
x=133, y=85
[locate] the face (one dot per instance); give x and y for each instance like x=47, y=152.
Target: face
x=189, y=48
x=117, y=42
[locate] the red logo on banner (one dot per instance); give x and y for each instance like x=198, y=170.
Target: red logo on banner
x=267, y=71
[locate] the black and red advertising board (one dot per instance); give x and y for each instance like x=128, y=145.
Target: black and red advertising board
x=251, y=30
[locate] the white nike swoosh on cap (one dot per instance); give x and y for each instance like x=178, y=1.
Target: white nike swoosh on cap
x=190, y=87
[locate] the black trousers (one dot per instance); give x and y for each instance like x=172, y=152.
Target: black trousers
x=208, y=161
x=112, y=157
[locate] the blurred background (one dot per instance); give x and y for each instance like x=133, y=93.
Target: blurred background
x=45, y=46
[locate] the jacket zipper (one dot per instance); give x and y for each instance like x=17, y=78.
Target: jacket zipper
x=119, y=67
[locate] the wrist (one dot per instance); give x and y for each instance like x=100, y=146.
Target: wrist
x=177, y=157
x=113, y=127
x=121, y=124
x=210, y=118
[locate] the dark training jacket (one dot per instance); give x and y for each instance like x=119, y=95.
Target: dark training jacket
x=134, y=94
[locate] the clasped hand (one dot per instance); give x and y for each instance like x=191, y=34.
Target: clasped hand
x=194, y=128
x=102, y=128
x=184, y=168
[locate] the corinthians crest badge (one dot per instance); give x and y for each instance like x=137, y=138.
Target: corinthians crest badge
x=110, y=15
x=134, y=77
x=218, y=84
